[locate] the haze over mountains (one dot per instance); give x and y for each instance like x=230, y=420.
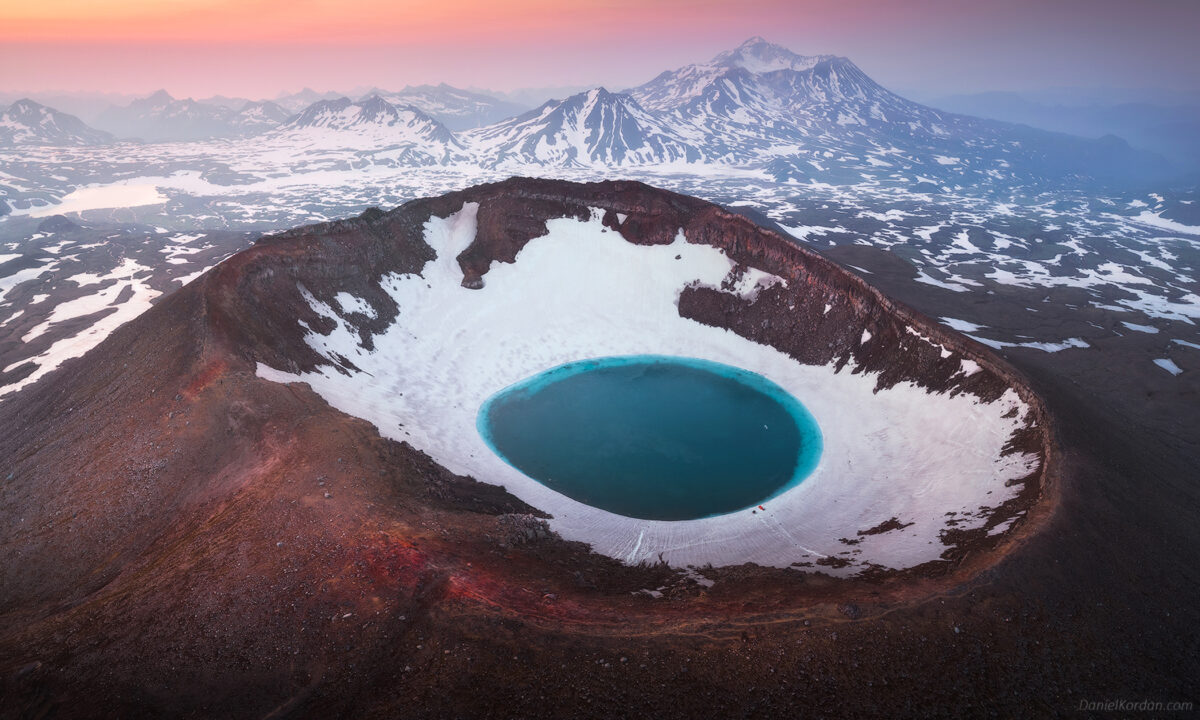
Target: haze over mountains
x=802, y=118
x=161, y=117
x=26, y=122
x=1169, y=126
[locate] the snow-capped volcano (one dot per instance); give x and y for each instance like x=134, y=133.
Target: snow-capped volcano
x=673, y=89
x=760, y=97
x=755, y=57
x=26, y=122
x=376, y=124
x=594, y=128
x=822, y=118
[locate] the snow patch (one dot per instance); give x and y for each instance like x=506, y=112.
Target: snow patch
x=1141, y=328
x=351, y=304
x=960, y=325
x=98, y=197
x=754, y=281
x=1156, y=220
x=1168, y=365
x=1043, y=346
x=580, y=292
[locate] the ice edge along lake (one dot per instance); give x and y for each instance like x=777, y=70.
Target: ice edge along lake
x=654, y=437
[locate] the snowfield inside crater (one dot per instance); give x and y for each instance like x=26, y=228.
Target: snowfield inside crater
x=582, y=291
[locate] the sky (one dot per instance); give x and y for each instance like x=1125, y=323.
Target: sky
x=259, y=48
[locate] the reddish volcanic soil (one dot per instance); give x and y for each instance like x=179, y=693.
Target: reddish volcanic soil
x=182, y=538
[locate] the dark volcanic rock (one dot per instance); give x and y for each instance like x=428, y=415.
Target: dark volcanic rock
x=56, y=223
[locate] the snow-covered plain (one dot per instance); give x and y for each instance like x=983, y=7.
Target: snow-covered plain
x=1114, y=262
x=91, y=283
x=582, y=291
x=138, y=302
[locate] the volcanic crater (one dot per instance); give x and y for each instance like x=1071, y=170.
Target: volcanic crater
x=291, y=438
x=931, y=445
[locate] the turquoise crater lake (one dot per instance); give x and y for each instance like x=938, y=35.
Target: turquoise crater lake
x=654, y=437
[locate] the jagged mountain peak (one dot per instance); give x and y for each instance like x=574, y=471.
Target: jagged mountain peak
x=375, y=106
x=156, y=98
x=261, y=115
x=343, y=113
x=454, y=107
x=585, y=103
x=596, y=95
x=375, y=122
x=604, y=94
x=592, y=128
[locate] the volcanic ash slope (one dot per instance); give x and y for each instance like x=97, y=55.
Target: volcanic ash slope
x=926, y=443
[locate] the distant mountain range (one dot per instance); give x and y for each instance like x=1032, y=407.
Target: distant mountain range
x=161, y=117
x=801, y=119
x=1172, y=129
x=797, y=118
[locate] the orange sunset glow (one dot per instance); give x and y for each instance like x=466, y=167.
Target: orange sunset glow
x=262, y=47
x=325, y=21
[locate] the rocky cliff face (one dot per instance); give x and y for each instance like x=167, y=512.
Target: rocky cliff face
x=352, y=255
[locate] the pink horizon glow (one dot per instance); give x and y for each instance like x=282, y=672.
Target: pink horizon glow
x=258, y=48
